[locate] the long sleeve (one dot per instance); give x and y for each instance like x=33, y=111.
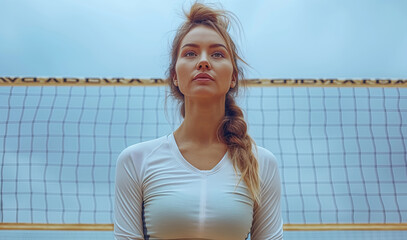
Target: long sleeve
x=267, y=220
x=128, y=223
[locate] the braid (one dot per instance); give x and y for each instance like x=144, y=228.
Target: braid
x=233, y=132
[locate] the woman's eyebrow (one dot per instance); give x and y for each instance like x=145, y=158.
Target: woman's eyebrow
x=197, y=46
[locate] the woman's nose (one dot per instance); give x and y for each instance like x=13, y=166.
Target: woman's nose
x=203, y=63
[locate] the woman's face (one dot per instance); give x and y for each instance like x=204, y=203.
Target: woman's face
x=203, y=51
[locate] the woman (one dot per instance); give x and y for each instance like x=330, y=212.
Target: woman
x=207, y=180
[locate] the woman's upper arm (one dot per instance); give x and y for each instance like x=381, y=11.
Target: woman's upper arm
x=128, y=223
x=267, y=219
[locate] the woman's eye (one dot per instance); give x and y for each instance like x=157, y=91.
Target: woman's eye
x=218, y=55
x=189, y=54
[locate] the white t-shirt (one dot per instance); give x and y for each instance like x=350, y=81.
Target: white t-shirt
x=160, y=195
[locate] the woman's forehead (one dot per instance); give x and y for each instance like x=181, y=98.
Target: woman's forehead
x=202, y=36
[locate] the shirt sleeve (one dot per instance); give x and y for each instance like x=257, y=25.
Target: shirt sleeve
x=267, y=221
x=128, y=223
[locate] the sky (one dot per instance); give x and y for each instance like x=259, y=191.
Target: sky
x=131, y=38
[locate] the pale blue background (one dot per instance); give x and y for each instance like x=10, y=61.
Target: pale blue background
x=131, y=38
x=341, y=151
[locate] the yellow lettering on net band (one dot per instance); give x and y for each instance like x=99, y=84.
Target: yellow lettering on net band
x=274, y=82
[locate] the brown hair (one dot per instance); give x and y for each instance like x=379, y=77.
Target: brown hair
x=233, y=129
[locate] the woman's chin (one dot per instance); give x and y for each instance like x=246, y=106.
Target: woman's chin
x=206, y=93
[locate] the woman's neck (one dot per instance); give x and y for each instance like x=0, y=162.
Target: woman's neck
x=202, y=119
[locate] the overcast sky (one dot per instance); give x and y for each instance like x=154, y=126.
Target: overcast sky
x=131, y=38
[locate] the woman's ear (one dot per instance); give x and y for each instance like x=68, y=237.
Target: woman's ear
x=233, y=83
x=175, y=81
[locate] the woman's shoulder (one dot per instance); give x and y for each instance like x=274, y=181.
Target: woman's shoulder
x=267, y=160
x=142, y=149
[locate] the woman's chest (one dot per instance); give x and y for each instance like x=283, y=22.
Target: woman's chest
x=187, y=205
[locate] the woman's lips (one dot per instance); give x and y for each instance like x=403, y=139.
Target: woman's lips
x=203, y=77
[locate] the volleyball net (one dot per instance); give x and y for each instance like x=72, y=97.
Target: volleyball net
x=340, y=145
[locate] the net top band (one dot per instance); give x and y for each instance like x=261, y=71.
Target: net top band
x=273, y=82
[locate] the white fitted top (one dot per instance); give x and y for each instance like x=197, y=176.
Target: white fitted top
x=160, y=195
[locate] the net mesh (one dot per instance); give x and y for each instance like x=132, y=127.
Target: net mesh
x=341, y=151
